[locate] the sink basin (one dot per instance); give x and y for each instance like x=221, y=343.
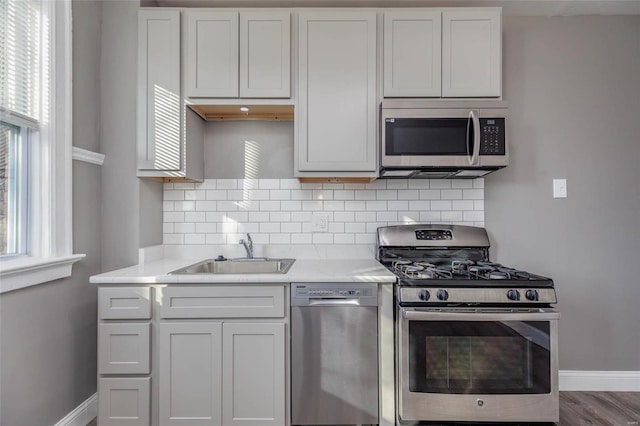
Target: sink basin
x=237, y=266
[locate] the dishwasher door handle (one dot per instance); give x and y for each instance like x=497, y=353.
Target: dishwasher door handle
x=332, y=301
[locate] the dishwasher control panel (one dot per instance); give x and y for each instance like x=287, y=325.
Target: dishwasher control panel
x=356, y=294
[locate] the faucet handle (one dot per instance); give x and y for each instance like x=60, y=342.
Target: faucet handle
x=250, y=240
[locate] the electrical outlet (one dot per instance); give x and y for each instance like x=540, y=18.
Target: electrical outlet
x=559, y=188
x=320, y=222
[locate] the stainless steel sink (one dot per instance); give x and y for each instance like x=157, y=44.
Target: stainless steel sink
x=237, y=266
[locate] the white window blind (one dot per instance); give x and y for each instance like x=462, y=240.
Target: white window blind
x=24, y=44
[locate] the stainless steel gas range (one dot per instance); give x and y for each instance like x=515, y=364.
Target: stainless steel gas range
x=476, y=341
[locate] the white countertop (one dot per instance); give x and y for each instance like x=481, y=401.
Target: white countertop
x=303, y=270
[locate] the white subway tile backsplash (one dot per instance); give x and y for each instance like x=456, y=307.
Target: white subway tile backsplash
x=216, y=194
x=334, y=205
x=172, y=195
x=355, y=227
x=355, y=206
x=184, y=206
x=430, y=194
x=301, y=239
x=344, y=216
x=279, y=211
x=269, y=183
x=397, y=184
x=195, y=239
x=226, y=183
x=270, y=206
x=473, y=194
x=441, y=205
x=408, y=194
x=344, y=194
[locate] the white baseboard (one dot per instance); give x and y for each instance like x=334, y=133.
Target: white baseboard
x=83, y=413
x=613, y=381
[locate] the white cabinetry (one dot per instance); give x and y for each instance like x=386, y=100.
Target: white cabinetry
x=445, y=53
x=124, y=342
x=412, y=53
x=170, y=136
x=226, y=365
x=238, y=54
x=337, y=105
x=471, y=53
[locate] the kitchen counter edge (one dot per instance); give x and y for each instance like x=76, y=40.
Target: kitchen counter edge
x=303, y=270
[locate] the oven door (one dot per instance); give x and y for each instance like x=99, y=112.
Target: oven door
x=460, y=364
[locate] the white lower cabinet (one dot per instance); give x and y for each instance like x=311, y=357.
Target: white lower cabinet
x=190, y=376
x=124, y=401
x=215, y=373
x=253, y=379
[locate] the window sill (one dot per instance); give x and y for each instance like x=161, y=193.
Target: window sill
x=28, y=271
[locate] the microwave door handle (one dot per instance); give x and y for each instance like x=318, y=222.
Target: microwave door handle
x=469, y=154
x=476, y=139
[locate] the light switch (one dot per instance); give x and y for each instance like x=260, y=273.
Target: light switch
x=559, y=188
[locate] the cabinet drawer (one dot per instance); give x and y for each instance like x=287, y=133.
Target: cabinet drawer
x=222, y=302
x=124, y=348
x=124, y=303
x=124, y=401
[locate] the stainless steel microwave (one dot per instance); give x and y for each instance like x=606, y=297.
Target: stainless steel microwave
x=443, y=138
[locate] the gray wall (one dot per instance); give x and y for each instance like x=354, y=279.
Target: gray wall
x=48, y=353
x=574, y=97
x=131, y=208
x=248, y=149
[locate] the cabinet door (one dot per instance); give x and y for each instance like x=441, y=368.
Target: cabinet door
x=412, y=53
x=159, y=98
x=190, y=363
x=337, y=109
x=471, y=53
x=265, y=54
x=254, y=374
x=212, y=54
x=124, y=402
x=124, y=348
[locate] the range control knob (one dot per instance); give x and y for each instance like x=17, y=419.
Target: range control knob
x=443, y=294
x=532, y=295
x=513, y=295
x=424, y=295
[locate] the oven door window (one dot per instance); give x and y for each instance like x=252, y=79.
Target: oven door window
x=477, y=357
x=427, y=136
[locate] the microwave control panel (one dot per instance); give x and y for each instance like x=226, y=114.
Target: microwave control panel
x=492, y=136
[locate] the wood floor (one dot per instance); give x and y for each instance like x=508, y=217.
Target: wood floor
x=599, y=408
x=593, y=409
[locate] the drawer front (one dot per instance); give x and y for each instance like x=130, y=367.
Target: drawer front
x=222, y=302
x=124, y=401
x=124, y=303
x=124, y=348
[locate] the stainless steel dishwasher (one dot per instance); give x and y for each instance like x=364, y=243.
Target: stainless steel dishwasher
x=334, y=353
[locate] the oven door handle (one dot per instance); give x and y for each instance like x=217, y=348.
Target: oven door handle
x=544, y=315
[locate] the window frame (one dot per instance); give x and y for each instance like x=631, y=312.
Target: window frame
x=50, y=242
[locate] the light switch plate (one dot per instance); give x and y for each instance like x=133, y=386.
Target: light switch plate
x=559, y=188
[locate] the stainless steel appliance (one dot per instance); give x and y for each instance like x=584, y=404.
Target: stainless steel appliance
x=443, y=138
x=475, y=340
x=334, y=347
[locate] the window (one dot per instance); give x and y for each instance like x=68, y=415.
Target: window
x=35, y=142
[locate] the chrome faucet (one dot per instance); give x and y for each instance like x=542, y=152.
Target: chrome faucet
x=248, y=246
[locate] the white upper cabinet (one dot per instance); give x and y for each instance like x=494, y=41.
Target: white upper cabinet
x=448, y=53
x=170, y=135
x=159, y=95
x=412, y=53
x=265, y=54
x=471, y=53
x=337, y=105
x=238, y=54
